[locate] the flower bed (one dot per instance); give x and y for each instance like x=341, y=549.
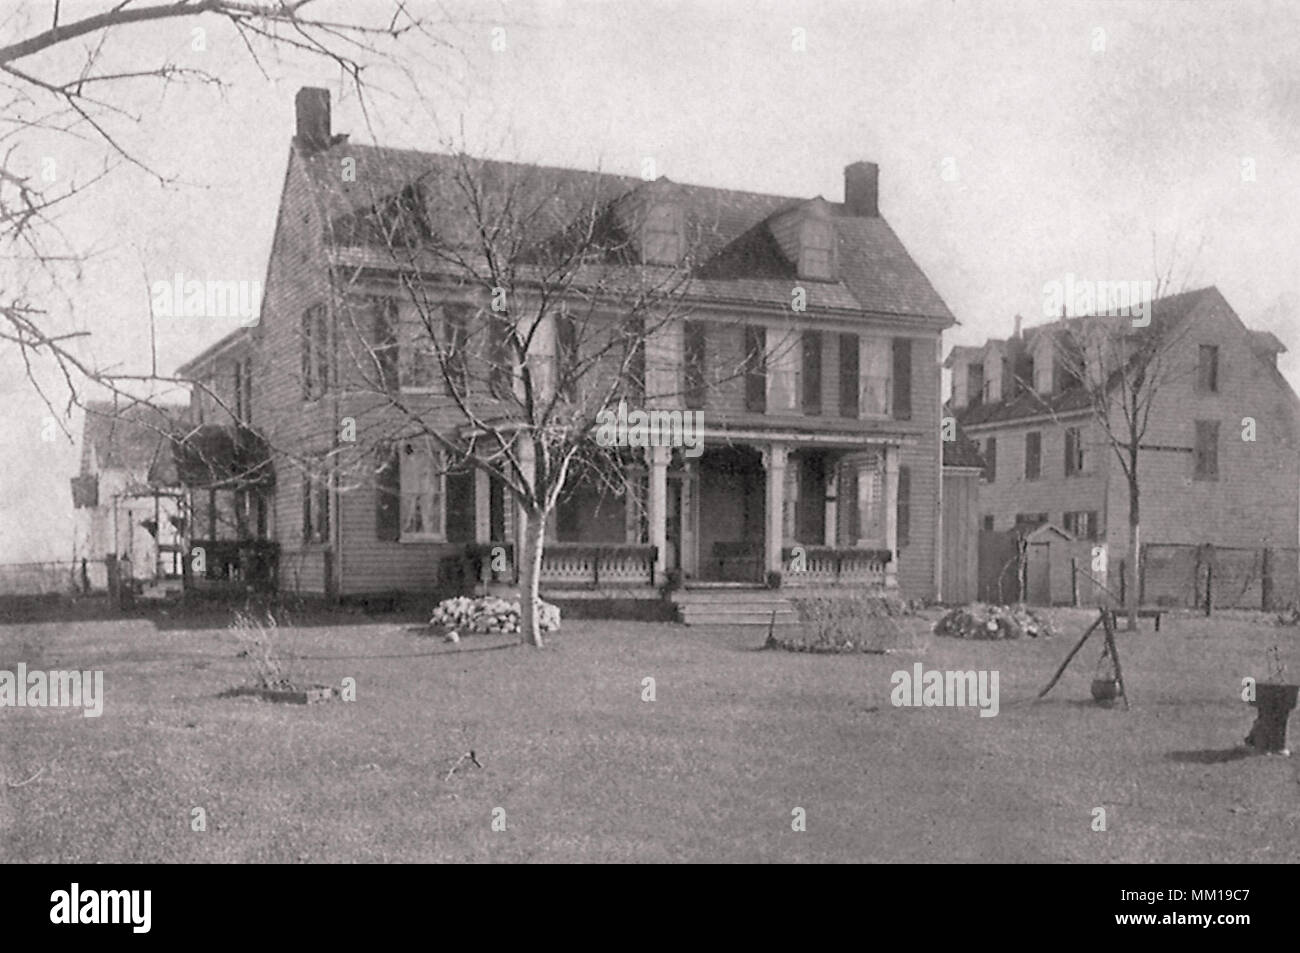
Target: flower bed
x=489, y=614
x=983, y=621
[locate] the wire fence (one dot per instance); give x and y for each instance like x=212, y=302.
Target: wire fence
x=48, y=578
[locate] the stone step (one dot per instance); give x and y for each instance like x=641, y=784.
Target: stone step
x=757, y=612
x=728, y=597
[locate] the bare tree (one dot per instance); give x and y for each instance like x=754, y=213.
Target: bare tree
x=82, y=97
x=532, y=306
x=1121, y=368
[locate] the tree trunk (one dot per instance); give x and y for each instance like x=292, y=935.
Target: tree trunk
x=1131, y=594
x=530, y=577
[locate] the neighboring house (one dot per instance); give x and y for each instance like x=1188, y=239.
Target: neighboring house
x=1204, y=480
x=824, y=461
x=126, y=496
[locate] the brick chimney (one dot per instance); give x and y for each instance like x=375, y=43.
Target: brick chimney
x=861, y=189
x=312, y=105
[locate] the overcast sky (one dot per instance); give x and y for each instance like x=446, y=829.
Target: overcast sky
x=1085, y=137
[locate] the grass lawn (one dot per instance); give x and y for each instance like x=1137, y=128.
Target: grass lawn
x=587, y=771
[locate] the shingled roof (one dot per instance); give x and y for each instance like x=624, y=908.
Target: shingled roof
x=734, y=257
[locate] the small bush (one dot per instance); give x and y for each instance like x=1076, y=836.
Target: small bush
x=490, y=614
x=261, y=640
x=982, y=621
x=849, y=623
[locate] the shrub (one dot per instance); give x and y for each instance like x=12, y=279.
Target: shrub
x=490, y=614
x=260, y=638
x=982, y=621
x=849, y=623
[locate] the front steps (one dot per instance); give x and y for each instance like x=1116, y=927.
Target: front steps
x=733, y=606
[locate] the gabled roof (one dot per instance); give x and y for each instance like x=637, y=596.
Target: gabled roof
x=736, y=258
x=130, y=437
x=1167, y=314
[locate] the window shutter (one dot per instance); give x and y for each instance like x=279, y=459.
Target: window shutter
x=566, y=350
x=903, y=379
x=324, y=362
x=755, y=370
x=904, y=505
x=384, y=331
x=991, y=459
x=308, y=321
x=812, y=372
x=848, y=375
x=460, y=504
x=693, y=345
x=388, y=495
x=1070, y=451
x=306, y=508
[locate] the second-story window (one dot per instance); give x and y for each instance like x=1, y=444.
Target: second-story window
x=1207, y=369
x=990, y=459
x=873, y=378
x=1073, y=451
x=785, y=358
x=316, y=353
x=1033, y=455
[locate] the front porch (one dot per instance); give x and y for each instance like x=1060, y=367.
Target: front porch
x=820, y=516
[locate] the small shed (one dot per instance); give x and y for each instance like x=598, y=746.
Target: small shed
x=1048, y=550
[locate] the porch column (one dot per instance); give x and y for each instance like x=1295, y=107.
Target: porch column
x=890, y=503
x=774, y=458
x=482, y=507
x=866, y=467
x=657, y=458
x=832, y=506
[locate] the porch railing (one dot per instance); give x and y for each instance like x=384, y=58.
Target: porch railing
x=833, y=566
x=570, y=564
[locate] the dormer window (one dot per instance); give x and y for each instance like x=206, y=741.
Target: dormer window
x=661, y=240
x=817, y=250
